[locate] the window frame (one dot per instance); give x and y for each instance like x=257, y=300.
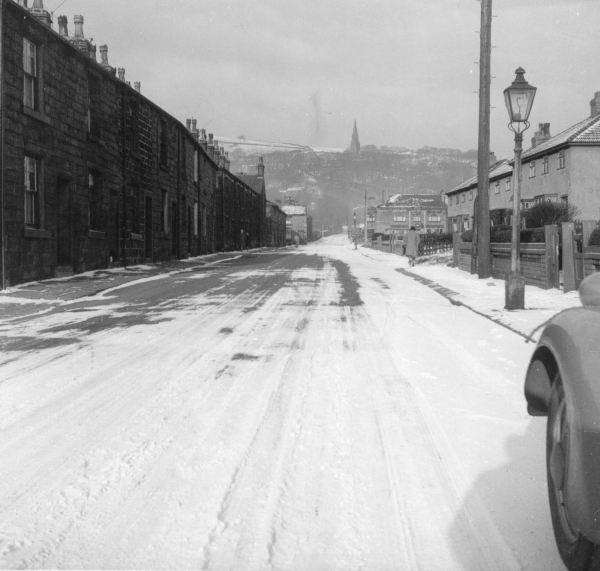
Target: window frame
x=545, y=165
x=508, y=185
x=31, y=77
x=561, y=163
x=31, y=198
x=531, y=169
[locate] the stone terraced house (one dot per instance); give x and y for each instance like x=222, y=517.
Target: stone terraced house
x=94, y=174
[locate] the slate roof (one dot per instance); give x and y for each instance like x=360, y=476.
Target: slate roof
x=417, y=200
x=585, y=132
x=254, y=181
x=498, y=170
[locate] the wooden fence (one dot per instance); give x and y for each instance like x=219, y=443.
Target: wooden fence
x=579, y=258
x=539, y=261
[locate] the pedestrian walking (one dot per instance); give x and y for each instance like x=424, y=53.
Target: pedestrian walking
x=247, y=241
x=411, y=245
x=296, y=240
x=242, y=239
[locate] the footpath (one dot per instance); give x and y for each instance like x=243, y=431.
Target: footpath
x=25, y=299
x=485, y=297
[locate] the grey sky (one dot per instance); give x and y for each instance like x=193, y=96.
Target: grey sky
x=302, y=71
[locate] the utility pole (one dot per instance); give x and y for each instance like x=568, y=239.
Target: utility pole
x=482, y=246
x=366, y=234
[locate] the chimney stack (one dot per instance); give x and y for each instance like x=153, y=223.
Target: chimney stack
x=137, y=86
x=260, y=168
x=203, y=142
x=40, y=13
x=595, y=104
x=63, y=29
x=541, y=135
x=122, y=73
x=210, y=146
x=493, y=159
x=195, y=131
x=93, y=52
x=188, y=124
x=78, y=40
x=227, y=161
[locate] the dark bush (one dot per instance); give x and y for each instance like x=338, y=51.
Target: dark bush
x=595, y=238
x=500, y=234
x=467, y=236
x=547, y=213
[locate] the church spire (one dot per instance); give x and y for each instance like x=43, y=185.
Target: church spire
x=355, y=143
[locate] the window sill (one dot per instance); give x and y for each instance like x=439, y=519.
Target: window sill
x=137, y=237
x=97, y=235
x=36, y=114
x=37, y=233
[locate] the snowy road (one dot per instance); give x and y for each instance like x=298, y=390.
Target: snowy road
x=293, y=410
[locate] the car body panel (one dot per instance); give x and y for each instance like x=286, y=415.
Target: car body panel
x=570, y=345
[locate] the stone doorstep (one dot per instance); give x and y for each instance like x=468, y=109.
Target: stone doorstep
x=63, y=271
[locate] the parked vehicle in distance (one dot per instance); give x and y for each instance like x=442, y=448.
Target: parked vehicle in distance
x=563, y=383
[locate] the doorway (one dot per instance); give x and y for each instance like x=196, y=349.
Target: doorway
x=149, y=229
x=64, y=224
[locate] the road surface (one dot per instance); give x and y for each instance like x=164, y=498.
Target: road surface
x=309, y=409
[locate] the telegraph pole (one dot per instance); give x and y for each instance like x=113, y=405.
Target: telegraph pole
x=482, y=246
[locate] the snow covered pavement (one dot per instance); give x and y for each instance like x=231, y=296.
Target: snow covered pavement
x=288, y=410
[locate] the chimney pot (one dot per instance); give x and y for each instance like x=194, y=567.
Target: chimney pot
x=188, y=124
x=63, y=29
x=137, y=86
x=595, y=104
x=122, y=73
x=203, y=141
x=194, y=124
x=78, y=26
x=93, y=52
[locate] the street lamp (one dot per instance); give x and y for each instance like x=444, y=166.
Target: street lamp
x=519, y=100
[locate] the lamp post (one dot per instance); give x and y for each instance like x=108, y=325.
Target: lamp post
x=519, y=100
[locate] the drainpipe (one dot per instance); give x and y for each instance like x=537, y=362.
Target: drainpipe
x=3, y=237
x=177, y=218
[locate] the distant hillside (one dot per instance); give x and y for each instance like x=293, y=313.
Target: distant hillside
x=335, y=183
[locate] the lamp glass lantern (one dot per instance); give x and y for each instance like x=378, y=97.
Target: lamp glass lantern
x=519, y=98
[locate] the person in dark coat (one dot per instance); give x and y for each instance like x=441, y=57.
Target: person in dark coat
x=411, y=245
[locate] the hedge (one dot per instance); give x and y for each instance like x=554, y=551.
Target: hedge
x=503, y=235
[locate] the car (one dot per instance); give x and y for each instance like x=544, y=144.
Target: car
x=563, y=383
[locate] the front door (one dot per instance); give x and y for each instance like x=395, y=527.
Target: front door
x=64, y=224
x=149, y=228
x=174, y=228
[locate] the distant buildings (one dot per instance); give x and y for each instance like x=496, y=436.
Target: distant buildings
x=354, y=143
x=298, y=222
x=426, y=212
x=563, y=169
x=275, y=225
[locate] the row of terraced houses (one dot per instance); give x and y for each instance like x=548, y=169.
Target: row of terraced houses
x=94, y=174
x=564, y=168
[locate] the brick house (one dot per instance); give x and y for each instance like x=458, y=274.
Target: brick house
x=426, y=212
x=298, y=222
x=563, y=168
x=93, y=173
